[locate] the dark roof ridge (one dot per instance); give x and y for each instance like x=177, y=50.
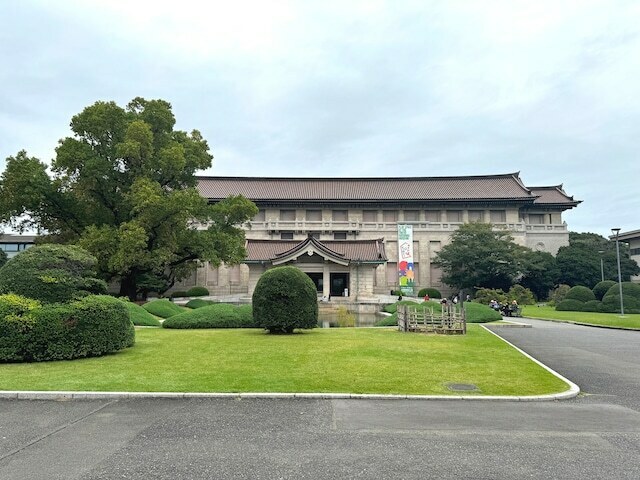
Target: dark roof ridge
x=515, y=175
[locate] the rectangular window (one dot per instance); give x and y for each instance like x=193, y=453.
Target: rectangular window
x=314, y=215
x=634, y=251
x=369, y=215
x=339, y=235
x=498, y=216
x=432, y=216
x=536, y=218
x=454, y=215
x=259, y=216
x=10, y=247
x=287, y=214
x=390, y=216
x=392, y=273
x=340, y=215
x=476, y=215
x=411, y=215
x=286, y=236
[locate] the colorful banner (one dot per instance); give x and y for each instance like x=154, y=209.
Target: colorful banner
x=405, y=259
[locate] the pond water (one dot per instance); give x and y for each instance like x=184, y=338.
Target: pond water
x=343, y=318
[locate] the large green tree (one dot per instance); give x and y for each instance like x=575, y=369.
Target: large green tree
x=541, y=272
x=579, y=262
x=123, y=187
x=479, y=256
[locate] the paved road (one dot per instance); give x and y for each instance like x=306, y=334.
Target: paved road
x=594, y=436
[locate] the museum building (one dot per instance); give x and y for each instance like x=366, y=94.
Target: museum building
x=343, y=232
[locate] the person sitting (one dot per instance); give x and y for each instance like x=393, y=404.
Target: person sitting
x=514, y=309
x=493, y=304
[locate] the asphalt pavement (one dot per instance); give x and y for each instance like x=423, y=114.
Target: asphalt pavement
x=596, y=435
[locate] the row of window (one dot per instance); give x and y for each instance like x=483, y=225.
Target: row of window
x=635, y=251
x=14, y=247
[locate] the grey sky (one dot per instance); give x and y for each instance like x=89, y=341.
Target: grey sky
x=351, y=88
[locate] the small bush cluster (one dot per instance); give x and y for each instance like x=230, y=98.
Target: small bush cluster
x=522, y=295
x=602, y=287
x=199, y=303
x=582, y=299
x=218, y=315
x=432, y=292
x=91, y=326
x=285, y=298
x=580, y=293
x=139, y=316
x=178, y=294
x=162, y=308
x=197, y=292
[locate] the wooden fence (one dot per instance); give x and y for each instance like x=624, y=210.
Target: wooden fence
x=444, y=320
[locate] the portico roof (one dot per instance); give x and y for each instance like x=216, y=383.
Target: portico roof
x=343, y=252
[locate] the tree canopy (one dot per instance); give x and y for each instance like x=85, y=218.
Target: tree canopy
x=579, y=262
x=479, y=256
x=123, y=187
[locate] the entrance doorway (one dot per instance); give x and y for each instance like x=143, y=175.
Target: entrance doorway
x=317, y=280
x=339, y=281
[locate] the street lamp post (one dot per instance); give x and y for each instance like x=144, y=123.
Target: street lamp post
x=616, y=232
x=601, y=265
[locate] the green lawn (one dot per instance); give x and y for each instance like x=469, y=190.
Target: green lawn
x=608, y=319
x=353, y=360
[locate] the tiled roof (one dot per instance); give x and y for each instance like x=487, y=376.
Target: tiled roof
x=552, y=195
x=485, y=187
x=361, y=250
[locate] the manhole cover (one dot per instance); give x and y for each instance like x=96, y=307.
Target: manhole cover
x=461, y=387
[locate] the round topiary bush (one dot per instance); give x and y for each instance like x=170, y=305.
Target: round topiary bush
x=51, y=273
x=580, y=293
x=139, y=316
x=218, y=315
x=628, y=289
x=592, y=306
x=285, y=298
x=570, y=305
x=198, y=303
x=480, y=313
x=432, y=292
x=162, y=308
x=602, y=287
x=178, y=294
x=197, y=292
x=91, y=326
x=611, y=304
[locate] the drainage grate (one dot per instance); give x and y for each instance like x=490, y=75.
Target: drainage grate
x=461, y=387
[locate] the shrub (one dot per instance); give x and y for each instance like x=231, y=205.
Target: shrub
x=570, y=305
x=51, y=273
x=393, y=308
x=178, y=294
x=197, y=292
x=557, y=294
x=285, y=298
x=485, y=295
x=218, y=315
x=479, y=313
x=432, y=292
x=602, y=287
x=628, y=289
x=3, y=258
x=592, y=306
x=522, y=295
x=162, y=308
x=611, y=304
x=91, y=326
x=580, y=293
x=139, y=316
x=198, y=303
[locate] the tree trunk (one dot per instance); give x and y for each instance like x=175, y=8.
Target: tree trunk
x=128, y=287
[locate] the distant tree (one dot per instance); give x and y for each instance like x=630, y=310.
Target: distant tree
x=123, y=187
x=579, y=262
x=479, y=256
x=541, y=272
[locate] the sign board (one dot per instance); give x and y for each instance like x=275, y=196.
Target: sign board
x=406, y=276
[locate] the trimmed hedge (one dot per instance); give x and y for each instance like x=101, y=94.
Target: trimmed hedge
x=92, y=326
x=285, y=298
x=197, y=292
x=198, y=303
x=580, y=293
x=219, y=315
x=432, y=292
x=51, y=274
x=570, y=305
x=602, y=287
x=592, y=306
x=480, y=313
x=178, y=294
x=162, y=308
x=630, y=297
x=139, y=316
